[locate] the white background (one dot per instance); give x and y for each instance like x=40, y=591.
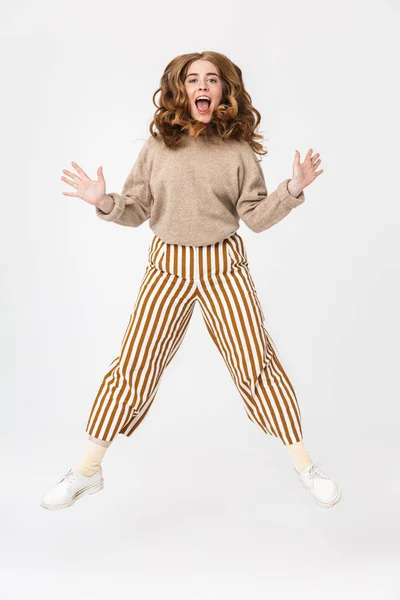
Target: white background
x=199, y=504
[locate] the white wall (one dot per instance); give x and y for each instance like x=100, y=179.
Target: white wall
x=195, y=506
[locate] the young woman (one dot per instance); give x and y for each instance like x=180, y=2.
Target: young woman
x=195, y=178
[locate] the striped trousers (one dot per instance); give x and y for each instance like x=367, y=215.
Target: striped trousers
x=217, y=276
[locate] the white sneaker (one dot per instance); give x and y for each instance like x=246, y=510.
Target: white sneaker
x=325, y=491
x=70, y=488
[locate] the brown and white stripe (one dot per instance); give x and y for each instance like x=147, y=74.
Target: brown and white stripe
x=176, y=277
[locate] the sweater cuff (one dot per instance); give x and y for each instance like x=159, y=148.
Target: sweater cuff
x=286, y=197
x=117, y=210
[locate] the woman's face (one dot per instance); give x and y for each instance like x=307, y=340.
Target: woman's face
x=203, y=80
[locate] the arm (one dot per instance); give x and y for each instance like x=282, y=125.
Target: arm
x=256, y=207
x=132, y=207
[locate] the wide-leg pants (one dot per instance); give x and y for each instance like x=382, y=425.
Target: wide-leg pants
x=217, y=276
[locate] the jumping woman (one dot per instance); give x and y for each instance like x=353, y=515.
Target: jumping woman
x=195, y=177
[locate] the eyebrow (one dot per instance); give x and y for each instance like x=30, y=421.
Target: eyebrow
x=206, y=74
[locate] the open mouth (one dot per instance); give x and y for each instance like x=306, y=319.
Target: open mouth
x=203, y=106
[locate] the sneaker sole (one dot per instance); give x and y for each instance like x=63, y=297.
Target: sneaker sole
x=93, y=489
x=334, y=501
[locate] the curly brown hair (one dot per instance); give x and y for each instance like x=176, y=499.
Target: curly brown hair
x=235, y=117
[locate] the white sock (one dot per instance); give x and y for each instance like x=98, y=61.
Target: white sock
x=300, y=456
x=90, y=461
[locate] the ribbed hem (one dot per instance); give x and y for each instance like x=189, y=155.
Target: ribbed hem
x=116, y=212
x=286, y=197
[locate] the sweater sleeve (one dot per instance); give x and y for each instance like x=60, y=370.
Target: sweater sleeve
x=255, y=206
x=132, y=206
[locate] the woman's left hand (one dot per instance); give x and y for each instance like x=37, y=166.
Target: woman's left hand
x=304, y=173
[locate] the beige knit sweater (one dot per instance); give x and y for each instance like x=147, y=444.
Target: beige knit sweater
x=195, y=194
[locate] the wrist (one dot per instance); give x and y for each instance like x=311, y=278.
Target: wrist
x=105, y=203
x=294, y=188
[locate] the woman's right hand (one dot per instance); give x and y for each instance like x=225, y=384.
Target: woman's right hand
x=88, y=189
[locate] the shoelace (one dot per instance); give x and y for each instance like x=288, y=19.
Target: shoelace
x=315, y=471
x=69, y=476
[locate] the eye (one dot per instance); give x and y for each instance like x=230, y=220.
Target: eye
x=211, y=79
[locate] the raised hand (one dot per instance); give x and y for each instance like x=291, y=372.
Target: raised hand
x=304, y=173
x=88, y=189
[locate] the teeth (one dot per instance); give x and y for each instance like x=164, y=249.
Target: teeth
x=203, y=98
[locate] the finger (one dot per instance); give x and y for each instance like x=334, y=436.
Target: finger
x=314, y=157
x=100, y=175
x=316, y=164
x=297, y=156
x=72, y=175
x=319, y=172
x=75, y=185
x=308, y=155
x=70, y=194
x=80, y=171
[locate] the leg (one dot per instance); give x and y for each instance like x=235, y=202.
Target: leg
x=235, y=321
x=299, y=454
x=155, y=331
x=99, y=442
x=90, y=461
